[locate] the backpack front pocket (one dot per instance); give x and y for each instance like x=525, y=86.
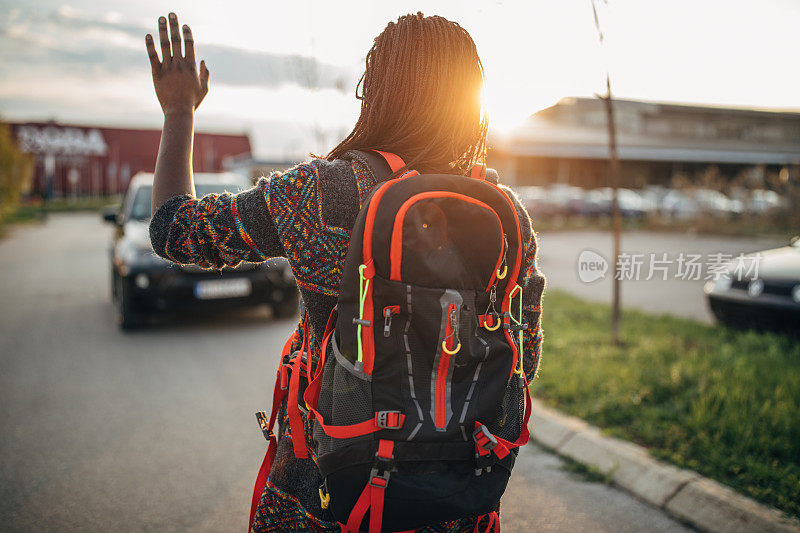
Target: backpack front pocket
x=446, y=239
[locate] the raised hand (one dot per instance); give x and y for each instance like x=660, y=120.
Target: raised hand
x=178, y=85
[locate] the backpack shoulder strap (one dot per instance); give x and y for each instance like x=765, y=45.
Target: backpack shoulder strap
x=482, y=173
x=382, y=164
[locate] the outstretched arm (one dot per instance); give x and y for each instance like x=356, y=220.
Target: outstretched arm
x=179, y=89
x=219, y=229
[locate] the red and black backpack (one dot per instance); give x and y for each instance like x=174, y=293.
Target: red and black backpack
x=419, y=399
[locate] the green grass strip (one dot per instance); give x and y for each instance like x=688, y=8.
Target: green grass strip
x=724, y=403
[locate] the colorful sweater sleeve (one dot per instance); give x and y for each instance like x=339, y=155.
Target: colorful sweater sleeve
x=532, y=282
x=315, y=241
x=216, y=230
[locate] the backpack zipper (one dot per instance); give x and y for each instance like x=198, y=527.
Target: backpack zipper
x=451, y=334
x=388, y=312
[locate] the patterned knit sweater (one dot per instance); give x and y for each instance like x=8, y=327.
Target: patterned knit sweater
x=306, y=214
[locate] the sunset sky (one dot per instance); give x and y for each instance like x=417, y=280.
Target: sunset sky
x=285, y=72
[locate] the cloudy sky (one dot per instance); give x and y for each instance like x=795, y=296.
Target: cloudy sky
x=285, y=72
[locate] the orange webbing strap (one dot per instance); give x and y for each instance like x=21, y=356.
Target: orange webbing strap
x=292, y=406
x=278, y=395
x=492, y=526
x=381, y=419
x=478, y=172
x=371, y=498
x=395, y=161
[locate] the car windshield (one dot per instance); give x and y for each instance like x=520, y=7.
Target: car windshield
x=140, y=209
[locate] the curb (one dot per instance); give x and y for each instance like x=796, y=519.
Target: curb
x=683, y=494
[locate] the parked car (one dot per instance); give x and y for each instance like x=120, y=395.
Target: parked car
x=143, y=284
x=538, y=202
x=562, y=198
x=691, y=203
x=715, y=202
x=631, y=203
x=762, y=201
x=768, y=299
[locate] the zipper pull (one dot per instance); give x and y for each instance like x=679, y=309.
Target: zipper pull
x=388, y=311
x=504, y=262
x=454, y=319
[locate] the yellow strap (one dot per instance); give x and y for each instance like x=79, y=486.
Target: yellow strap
x=518, y=322
x=363, y=285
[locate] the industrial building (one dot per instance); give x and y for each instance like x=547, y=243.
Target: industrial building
x=568, y=143
x=72, y=160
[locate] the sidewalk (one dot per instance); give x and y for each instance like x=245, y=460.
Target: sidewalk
x=683, y=494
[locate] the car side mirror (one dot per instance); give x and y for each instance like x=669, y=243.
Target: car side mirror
x=111, y=214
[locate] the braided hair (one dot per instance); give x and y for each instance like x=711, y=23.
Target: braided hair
x=421, y=98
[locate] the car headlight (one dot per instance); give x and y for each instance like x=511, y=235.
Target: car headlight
x=139, y=255
x=755, y=287
x=721, y=284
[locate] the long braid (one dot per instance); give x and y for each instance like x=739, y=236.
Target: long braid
x=420, y=97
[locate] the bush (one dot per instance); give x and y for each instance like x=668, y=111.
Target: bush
x=15, y=173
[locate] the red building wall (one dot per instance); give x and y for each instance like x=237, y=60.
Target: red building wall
x=87, y=160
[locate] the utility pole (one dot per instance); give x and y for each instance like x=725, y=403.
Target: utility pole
x=616, y=219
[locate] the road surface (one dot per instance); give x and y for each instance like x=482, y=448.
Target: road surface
x=154, y=430
x=680, y=294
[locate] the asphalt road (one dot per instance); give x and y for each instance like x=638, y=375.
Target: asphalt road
x=154, y=430
x=679, y=294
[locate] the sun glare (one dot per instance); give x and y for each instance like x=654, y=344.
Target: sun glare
x=507, y=109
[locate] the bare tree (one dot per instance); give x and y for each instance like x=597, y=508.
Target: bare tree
x=614, y=183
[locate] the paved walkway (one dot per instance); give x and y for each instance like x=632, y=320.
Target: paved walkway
x=154, y=431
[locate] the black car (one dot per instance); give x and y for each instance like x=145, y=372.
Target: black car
x=144, y=284
x=769, y=299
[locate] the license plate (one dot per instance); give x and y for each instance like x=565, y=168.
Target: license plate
x=222, y=288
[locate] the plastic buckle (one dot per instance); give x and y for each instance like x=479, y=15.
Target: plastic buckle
x=263, y=423
x=382, y=419
x=302, y=407
x=378, y=480
x=482, y=433
x=381, y=470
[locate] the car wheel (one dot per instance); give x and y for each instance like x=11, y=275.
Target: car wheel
x=127, y=316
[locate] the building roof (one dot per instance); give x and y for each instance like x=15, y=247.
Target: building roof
x=576, y=128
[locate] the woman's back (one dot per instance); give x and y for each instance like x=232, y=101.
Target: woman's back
x=421, y=100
